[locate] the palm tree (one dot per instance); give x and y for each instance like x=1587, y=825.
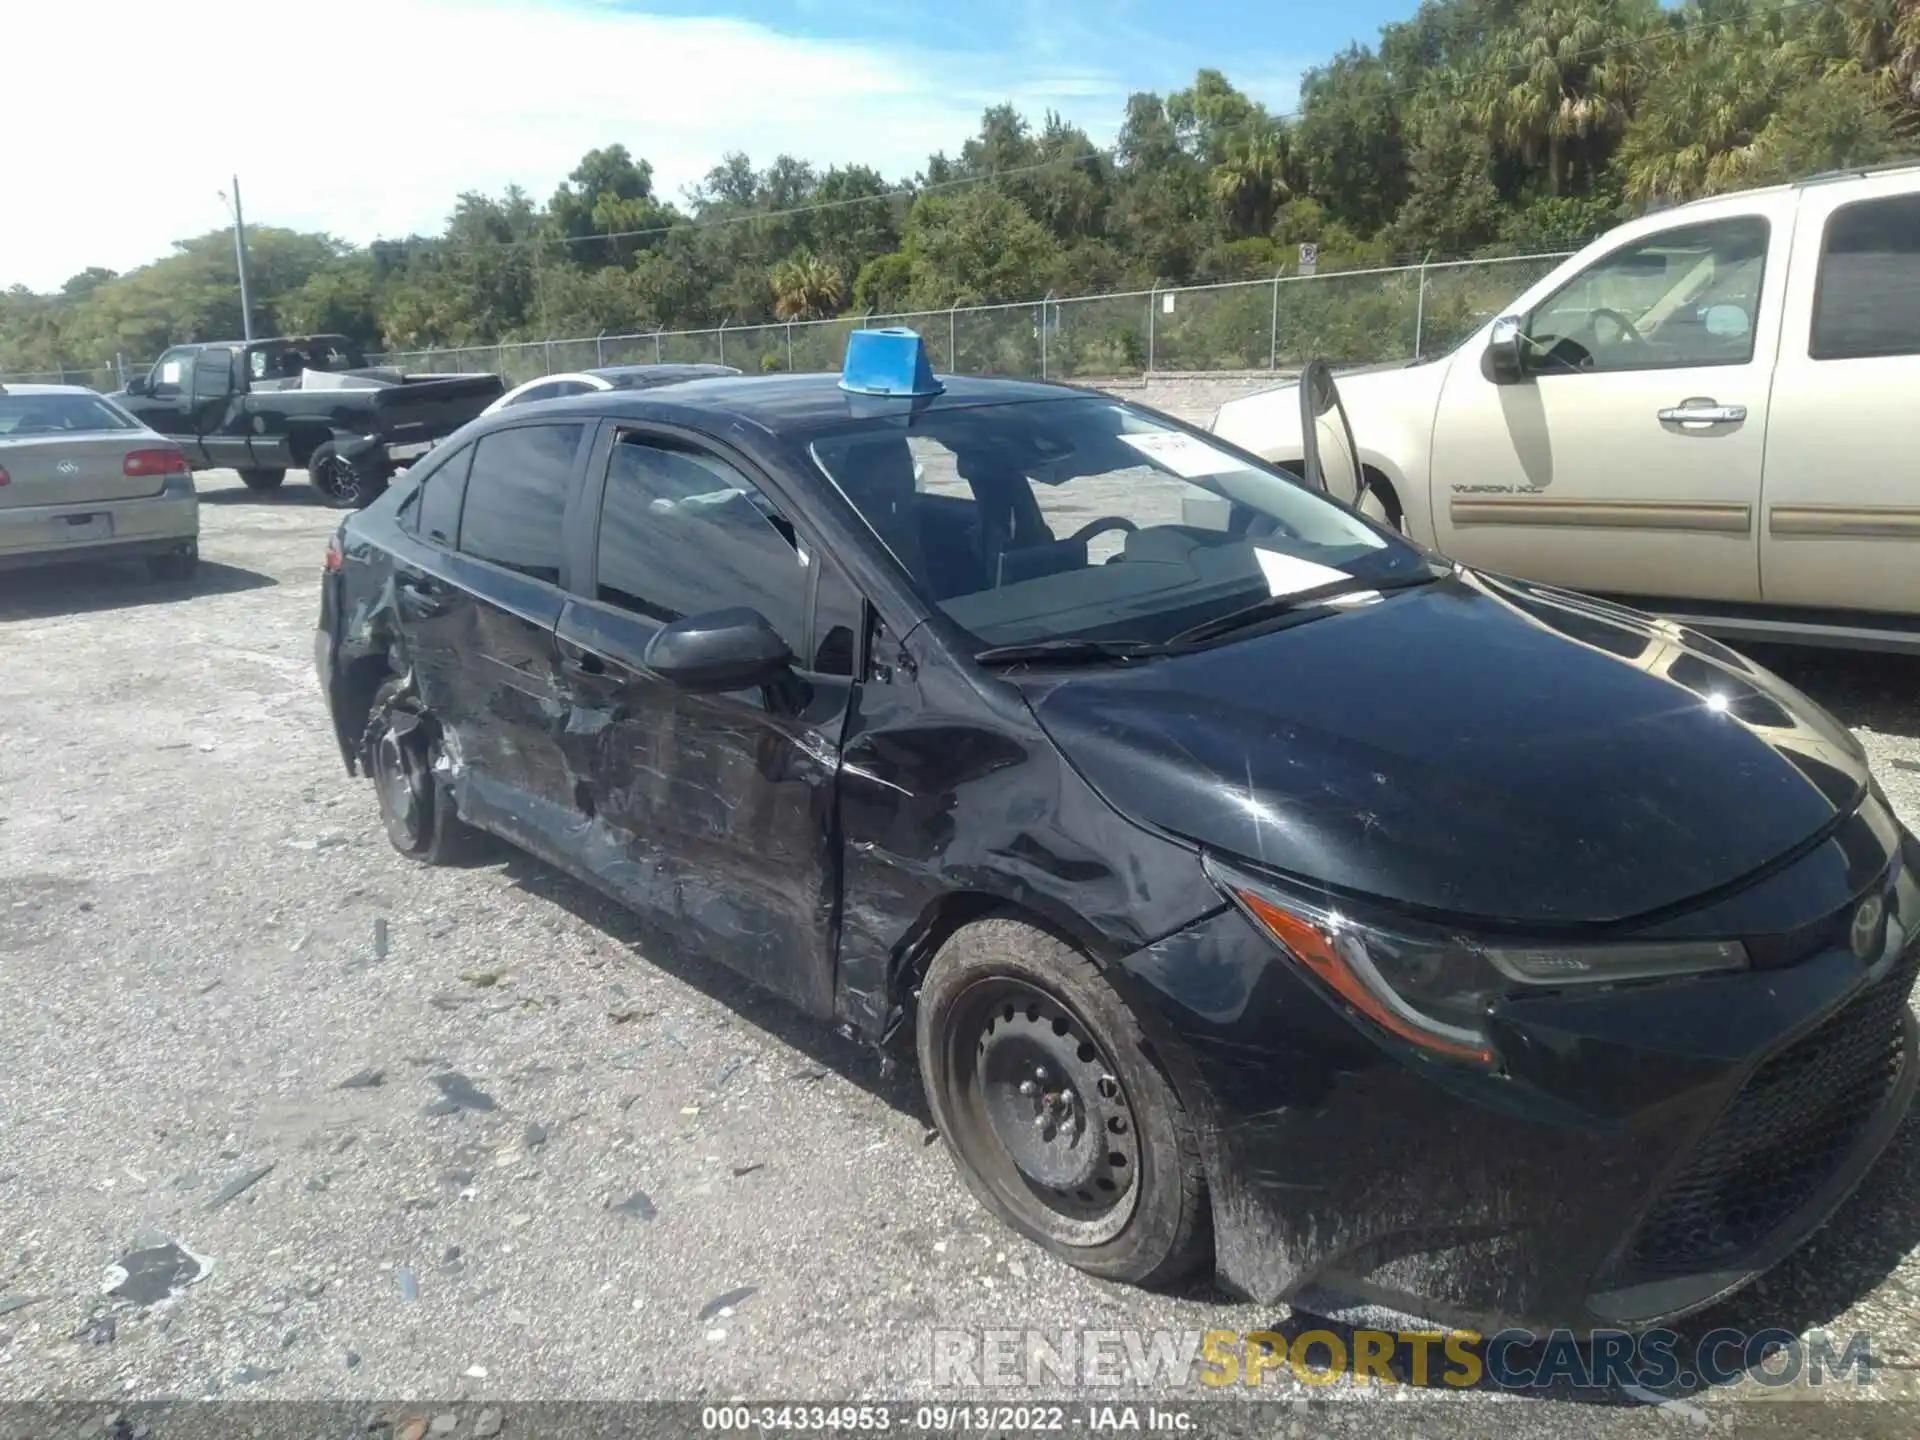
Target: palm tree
x=1883, y=38
x=807, y=286
x=1564, y=75
x=1250, y=183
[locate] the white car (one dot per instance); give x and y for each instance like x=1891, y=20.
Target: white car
x=81, y=479
x=605, y=377
x=1709, y=412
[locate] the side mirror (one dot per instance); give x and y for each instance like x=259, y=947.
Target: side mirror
x=137, y=385
x=722, y=650
x=1505, y=360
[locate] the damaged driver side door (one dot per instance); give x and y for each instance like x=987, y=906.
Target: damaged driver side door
x=712, y=814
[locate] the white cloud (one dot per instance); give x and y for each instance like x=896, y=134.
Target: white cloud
x=367, y=117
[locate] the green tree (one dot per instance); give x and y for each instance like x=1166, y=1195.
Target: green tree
x=807, y=286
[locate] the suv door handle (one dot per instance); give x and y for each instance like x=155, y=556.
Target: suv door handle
x=1703, y=411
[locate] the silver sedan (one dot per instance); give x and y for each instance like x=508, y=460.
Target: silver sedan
x=81, y=479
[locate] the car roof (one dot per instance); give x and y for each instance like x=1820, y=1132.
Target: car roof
x=8, y=387
x=785, y=405
x=660, y=374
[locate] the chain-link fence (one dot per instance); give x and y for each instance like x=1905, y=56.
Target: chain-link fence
x=1354, y=317
x=1349, y=318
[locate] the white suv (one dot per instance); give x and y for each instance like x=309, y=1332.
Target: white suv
x=1712, y=412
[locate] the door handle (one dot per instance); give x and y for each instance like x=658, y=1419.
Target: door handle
x=1703, y=411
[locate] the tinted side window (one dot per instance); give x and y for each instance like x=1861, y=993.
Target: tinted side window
x=682, y=532
x=517, y=498
x=436, y=514
x=1868, y=297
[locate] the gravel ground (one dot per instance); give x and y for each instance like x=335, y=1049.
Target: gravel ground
x=450, y=1134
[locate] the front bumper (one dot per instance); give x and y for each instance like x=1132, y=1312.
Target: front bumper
x=1645, y=1152
x=108, y=529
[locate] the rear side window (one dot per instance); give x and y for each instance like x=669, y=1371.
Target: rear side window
x=517, y=498
x=437, y=514
x=683, y=532
x=1868, y=298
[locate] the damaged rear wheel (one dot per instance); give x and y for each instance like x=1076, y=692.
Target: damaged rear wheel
x=1058, y=1116
x=402, y=751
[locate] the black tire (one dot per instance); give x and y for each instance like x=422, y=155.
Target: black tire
x=346, y=484
x=399, y=749
x=1003, y=994
x=176, y=566
x=263, y=479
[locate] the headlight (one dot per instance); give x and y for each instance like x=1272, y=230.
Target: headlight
x=1432, y=988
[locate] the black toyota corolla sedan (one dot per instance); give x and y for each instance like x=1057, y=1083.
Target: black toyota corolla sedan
x=1258, y=890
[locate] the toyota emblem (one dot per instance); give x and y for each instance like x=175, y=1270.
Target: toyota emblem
x=1864, y=936
x=67, y=467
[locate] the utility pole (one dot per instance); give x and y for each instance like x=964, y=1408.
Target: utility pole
x=240, y=259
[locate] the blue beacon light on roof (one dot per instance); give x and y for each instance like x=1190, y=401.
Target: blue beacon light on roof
x=888, y=362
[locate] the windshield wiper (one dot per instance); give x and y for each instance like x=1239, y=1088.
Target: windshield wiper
x=1277, y=605
x=1068, y=651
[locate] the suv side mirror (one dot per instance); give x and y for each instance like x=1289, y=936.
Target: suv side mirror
x=1505, y=360
x=722, y=650
x=137, y=385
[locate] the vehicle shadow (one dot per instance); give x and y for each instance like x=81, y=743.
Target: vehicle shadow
x=898, y=1085
x=294, y=495
x=1861, y=688
x=1847, y=1259
x=84, y=588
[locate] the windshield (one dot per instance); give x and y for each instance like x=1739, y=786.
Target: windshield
x=1089, y=519
x=59, y=415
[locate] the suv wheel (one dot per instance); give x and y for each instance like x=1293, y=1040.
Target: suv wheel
x=1060, y=1120
x=262, y=479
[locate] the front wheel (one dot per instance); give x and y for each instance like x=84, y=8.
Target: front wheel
x=1058, y=1116
x=343, y=483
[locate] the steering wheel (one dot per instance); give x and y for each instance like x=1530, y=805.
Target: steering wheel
x=1101, y=526
x=1627, y=331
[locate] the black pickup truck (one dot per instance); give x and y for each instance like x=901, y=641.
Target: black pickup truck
x=308, y=402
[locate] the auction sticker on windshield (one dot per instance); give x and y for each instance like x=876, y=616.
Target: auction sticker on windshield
x=1187, y=457
x=1289, y=574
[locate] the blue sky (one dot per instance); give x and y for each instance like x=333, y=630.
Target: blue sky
x=480, y=94
x=1113, y=46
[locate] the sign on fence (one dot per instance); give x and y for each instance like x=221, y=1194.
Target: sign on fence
x=1309, y=257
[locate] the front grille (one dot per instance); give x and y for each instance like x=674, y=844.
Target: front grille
x=1782, y=1134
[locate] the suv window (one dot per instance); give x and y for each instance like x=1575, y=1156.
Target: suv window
x=1679, y=298
x=1867, y=299
x=682, y=531
x=517, y=498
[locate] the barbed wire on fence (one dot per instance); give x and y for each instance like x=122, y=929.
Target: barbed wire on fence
x=1348, y=317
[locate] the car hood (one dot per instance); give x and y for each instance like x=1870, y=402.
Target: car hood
x=1478, y=747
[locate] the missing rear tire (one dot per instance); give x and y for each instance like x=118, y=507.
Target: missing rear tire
x=401, y=751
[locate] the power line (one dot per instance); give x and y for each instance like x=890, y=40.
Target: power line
x=1110, y=152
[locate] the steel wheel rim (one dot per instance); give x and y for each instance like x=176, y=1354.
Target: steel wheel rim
x=1040, y=1112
